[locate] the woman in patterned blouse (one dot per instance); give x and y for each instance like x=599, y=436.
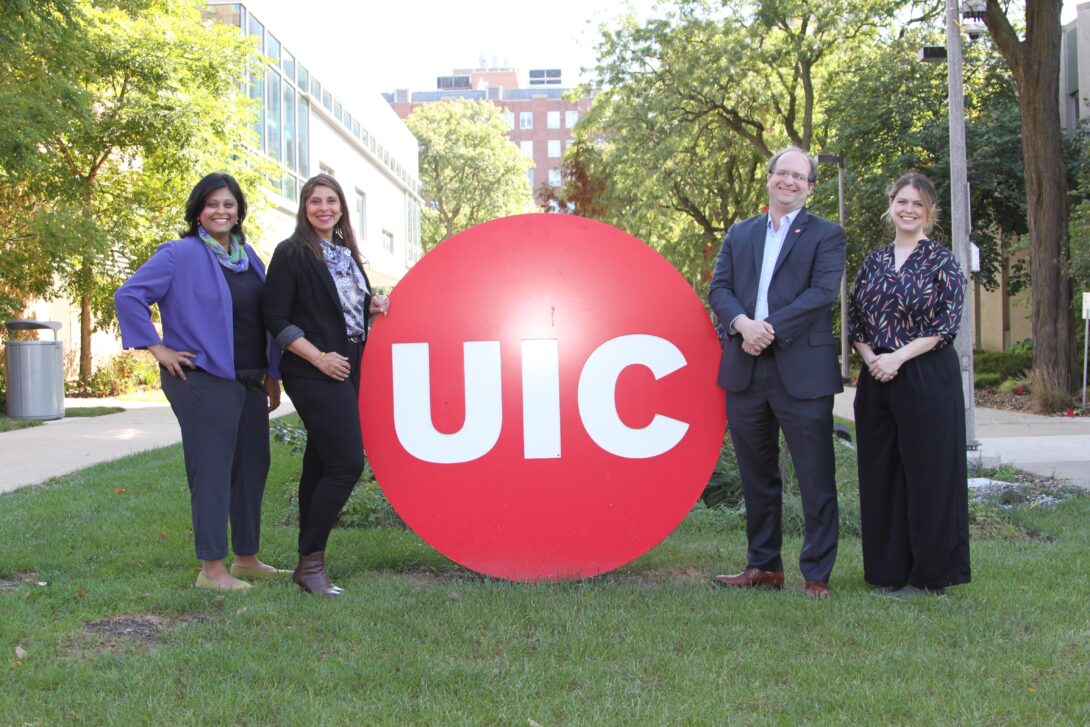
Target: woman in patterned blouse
x=318, y=303
x=909, y=407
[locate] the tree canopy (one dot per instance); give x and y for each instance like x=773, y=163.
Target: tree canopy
x=469, y=171
x=121, y=107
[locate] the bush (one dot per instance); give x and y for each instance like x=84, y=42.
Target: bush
x=124, y=373
x=724, y=489
x=986, y=380
x=1008, y=364
x=1048, y=391
x=1011, y=386
x=367, y=506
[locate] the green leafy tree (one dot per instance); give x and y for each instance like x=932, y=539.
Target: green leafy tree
x=470, y=172
x=691, y=104
x=893, y=119
x=150, y=100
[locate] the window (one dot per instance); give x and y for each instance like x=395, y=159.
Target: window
x=272, y=49
x=413, y=251
x=304, y=138
x=526, y=119
x=388, y=241
x=554, y=148
x=327, y=101
x=552, y=119
x=315, y=87
x=272, y=116
x=527, y=148
x=257, y=91
x=571, y=118
x=509, y=119
x=289, y=126
x=336, y=109
x=530, y=176
x=361, y=214
x=554, y=177
x=302, y=78
x=258, y=30
x=287, y=64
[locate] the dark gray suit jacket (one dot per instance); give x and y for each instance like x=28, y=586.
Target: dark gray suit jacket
x=804, y=286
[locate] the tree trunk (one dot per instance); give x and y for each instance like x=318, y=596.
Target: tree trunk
x=1035, y=65
x=1046, y=207
x=85, y=328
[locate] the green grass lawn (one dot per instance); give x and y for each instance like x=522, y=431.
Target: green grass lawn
x=91, y=411
x=117, y=635
x=7, y=424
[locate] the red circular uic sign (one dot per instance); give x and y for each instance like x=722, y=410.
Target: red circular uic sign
x=541, y=402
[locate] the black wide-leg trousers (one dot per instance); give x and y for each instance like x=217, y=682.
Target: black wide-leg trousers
x=333, y=458
x=913, y=494
x=756, y=417
x=225, y=439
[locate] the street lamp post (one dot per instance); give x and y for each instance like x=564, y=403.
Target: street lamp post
x=959, y=187
x=959, y=207
x=845, y=346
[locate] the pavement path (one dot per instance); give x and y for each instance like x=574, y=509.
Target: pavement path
x=1048, y=446
x=33, y=455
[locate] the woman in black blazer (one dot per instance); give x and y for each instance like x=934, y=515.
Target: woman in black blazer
x=318, y=304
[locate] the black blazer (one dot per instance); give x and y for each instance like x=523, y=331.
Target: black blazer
x=301, y=300
x=805, y=283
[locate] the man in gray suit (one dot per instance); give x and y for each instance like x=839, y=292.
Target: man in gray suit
x=775, y=281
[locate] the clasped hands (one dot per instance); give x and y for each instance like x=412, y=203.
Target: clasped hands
x=756, y=335
x=884, y=367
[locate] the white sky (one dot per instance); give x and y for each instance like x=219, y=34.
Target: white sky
x=380, y=46
x=362, y=47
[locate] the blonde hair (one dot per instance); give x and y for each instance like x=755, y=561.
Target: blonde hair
x=926, y=188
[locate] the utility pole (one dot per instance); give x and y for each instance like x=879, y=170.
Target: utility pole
x=959, y=210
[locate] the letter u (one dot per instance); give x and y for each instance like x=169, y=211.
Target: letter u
x=412, y=403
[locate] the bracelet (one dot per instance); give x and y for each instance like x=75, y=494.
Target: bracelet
x=318, y=360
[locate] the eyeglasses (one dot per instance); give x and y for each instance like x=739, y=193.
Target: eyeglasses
x=784, y=174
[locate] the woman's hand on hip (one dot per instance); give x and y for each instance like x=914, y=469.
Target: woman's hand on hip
x=333, y=365
x=172, y=360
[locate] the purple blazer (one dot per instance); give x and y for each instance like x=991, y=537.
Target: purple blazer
x=184, y=278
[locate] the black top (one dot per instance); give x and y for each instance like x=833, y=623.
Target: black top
x=246, y=300
x=301, y=299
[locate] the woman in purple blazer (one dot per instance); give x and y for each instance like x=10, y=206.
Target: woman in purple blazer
x=219, y=368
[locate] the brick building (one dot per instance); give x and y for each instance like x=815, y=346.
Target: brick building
x=540, y=120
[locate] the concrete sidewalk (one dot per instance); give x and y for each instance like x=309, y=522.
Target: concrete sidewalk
x=1048, y=446
x=33, y=455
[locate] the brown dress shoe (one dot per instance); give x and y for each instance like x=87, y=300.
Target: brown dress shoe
x=311, y=577
x=817, y=589
x=752, y=578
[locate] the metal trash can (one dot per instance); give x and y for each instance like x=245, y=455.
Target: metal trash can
x=35, y=371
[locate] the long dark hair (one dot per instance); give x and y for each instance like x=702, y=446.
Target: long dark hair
x=342, y=231
x=199, y=196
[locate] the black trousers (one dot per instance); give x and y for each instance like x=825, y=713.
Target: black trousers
x=913, y=495
x=225, y=439
x=756, y=417
x=333, y=458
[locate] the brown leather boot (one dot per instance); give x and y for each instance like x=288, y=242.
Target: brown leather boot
x=311, y=577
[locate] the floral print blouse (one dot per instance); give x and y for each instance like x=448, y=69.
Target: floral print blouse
x=890, y=308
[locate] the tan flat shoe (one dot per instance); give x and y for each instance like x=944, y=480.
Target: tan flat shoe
x=204, y=581
x=243, y=571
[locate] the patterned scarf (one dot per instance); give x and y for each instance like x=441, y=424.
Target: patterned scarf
x=236, y=260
